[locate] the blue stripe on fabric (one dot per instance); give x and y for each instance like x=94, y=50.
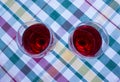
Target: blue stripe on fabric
x=40, y=3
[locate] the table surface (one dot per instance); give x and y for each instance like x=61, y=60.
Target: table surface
x=60, y=64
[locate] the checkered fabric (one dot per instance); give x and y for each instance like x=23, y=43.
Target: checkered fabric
x=59, y=65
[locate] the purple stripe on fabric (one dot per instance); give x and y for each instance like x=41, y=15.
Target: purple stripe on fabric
x=58, y=75
x=51, y=70
x=7, y=73
x=92, y=1
x=43, y=63
x=37, y=59
x=31, y=63
x=62, y=79
x=2, y=22
x=72, y=19
x=61, y=32
x=84, y=7
x=7, y=28
x=19, y=76
x=10, y=32
x=102, y=14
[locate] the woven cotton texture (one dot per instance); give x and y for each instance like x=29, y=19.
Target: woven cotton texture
x=59, y=65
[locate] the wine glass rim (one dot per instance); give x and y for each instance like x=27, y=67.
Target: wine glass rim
x=71, y=44
x=44, y=52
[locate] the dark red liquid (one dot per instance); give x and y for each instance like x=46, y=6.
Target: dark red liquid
x=87, y=40
x=36, y=38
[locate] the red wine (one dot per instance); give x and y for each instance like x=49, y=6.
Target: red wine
x=87, y=40
x=36, y=38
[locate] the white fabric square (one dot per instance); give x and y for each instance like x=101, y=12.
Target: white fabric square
x=13, y=46
x=25, y=58
x=42, y=15
x=60, y=9
x=49, y=57
x=76, y=24
x=91, y=12
x=55, y=26
x=25, y=79
x=66, y=37
x=3, y=59
x=111, y=77
x=98, y=4
x=6, y=16
x=110, y=28
x=119, y=64
x=47, y=1
x=68, y=74
x=66, y=14
x=110, y=53
x=23, y=1
x=6, y=78
x=108, y=11
x=2, y=10
x=116, y=19
x=13, y=71
x=6, y=39
x=58, y=65
x=118, y=40
x=37, y=69
x=34, y=8
x=16, y=26
x=98, y=66
x=77, y=3
x=54, y=4
x=46, y=77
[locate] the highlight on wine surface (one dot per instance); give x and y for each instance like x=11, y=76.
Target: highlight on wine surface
x=89, y=39
x=35, y=39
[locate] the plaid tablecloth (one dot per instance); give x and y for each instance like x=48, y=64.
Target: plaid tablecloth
x=59, y=65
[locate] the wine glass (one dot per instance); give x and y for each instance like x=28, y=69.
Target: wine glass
x=35, y=38
x=88, y=40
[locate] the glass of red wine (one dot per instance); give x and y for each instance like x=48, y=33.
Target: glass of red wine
x=88, y=40
x=35, y=39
